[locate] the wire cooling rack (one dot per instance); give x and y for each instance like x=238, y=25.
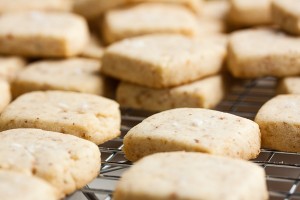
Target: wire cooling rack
x=244, y=99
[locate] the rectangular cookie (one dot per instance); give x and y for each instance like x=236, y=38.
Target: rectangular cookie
x=74, y=74
x=167, y=59
x=10, y=66
x=5, y=96
x=42, y=34
x=244, y=13
x=192, y=176
x=289, y=85
x=205, y=93
x=57, y=158
x=148, y=18
x=87, y=116
x=279, y=122
x=193, y=130
x=263, y=52
x=41, y=5
x=286, y=14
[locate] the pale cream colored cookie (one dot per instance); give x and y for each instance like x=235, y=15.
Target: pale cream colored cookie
x=289, y=85
x=279, y=122
x=87, y=116
x=10, y=66
x=42, y=34
x=148, y=18
x=65, y=161
x=74, y=74
x=263, y=52
x=19, y=186
x=205, y=93
x=94, y=49
x=5, y=94
x=286, y=14
x=193, y=129
x=167, y=60
x=193, y=176
x=25, y=5
x=249, y=12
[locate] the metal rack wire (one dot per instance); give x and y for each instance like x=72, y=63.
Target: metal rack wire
x=244, y=99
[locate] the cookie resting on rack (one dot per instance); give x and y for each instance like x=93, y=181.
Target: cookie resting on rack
x=148, y=18
x=193, y=176
x=42, y=34
x=205, y=93
x=65, y=161
x=279, y=122
x=20, y=186
x=73, y=74
x=166, y=59
x=88, y=116
x=193, y=129
x=253, y=53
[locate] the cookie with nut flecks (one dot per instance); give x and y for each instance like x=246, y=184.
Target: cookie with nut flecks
x=194, y=129
x=179, y=175
x=87, y=116
x=65, y=161
x=43, y=34
x=74, y=74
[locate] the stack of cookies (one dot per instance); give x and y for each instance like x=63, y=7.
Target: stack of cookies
x=163, y=55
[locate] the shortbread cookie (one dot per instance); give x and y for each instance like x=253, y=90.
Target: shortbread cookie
x=205, y=93
x=74, y=74
x=289, y=85
x=93, y=8
x=193, y=5
x=25, y=5
x=215, y=10
x=5, y=94
x=286, y=14
x=19, y=186
x=66, y=162
x=249, y=12
x=279, y=122
x=182, y=176
x=148, y=18
x=42, y=34
x=10, y=67
x=253, y=53
x=87, y=116
x=94, y=49
x=167, y=60
x=193, y=129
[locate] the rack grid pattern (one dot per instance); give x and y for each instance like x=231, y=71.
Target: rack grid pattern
x=244, y=99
